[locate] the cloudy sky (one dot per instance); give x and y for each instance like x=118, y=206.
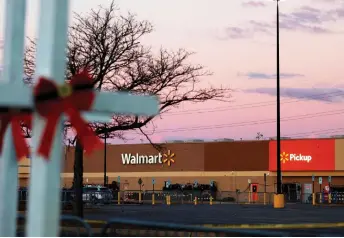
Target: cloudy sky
x=236, y=41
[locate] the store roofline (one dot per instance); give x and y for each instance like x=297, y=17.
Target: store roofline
x=225, y=141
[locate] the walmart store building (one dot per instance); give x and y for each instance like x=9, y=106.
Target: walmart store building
x=231, y=164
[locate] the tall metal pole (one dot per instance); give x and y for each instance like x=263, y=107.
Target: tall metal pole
x=279, y=173
x=105, y=136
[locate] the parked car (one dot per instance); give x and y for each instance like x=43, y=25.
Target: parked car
x=107, y=195
x=97, y=195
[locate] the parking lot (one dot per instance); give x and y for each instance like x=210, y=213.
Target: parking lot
x=234, y=216
x=294, y=219
x=221, y=213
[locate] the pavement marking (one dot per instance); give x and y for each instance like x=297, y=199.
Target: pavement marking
x=278, y=226
x=259, y=226
x=95, y=222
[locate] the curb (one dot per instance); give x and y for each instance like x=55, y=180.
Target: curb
x=328, y=205
x=255, y=226
x=96, y=222
x=277, y=226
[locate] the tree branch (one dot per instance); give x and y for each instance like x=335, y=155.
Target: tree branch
x=108, y=44
x=158, y=147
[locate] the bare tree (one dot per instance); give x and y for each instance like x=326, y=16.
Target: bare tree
x=108, y=45
x=259, y=136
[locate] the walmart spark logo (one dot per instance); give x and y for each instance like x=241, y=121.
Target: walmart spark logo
x=284, y=157
x=169, y=158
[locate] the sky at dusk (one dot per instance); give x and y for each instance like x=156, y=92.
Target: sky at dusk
x=236, y=41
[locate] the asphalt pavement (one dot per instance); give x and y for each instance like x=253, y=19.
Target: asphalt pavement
x=321, y=220
x=221, y=214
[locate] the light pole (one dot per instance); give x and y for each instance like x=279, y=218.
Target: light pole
x=279, y=199
x=105, y=136
x=279, y=174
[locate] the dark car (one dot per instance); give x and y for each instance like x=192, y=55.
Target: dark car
x=97, y=195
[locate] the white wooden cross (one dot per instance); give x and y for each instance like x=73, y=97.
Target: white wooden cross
x=44, y=190
x=12, y=74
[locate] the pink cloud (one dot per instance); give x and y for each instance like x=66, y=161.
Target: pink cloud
x=254, y=4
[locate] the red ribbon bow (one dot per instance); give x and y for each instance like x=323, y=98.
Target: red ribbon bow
x=52, y=100
x=14, y=118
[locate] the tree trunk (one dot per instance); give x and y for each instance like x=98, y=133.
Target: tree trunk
x=78, y=179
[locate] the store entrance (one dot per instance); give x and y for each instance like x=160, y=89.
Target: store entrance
x=292, y=192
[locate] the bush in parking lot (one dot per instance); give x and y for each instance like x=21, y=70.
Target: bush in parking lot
x=228, y=199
